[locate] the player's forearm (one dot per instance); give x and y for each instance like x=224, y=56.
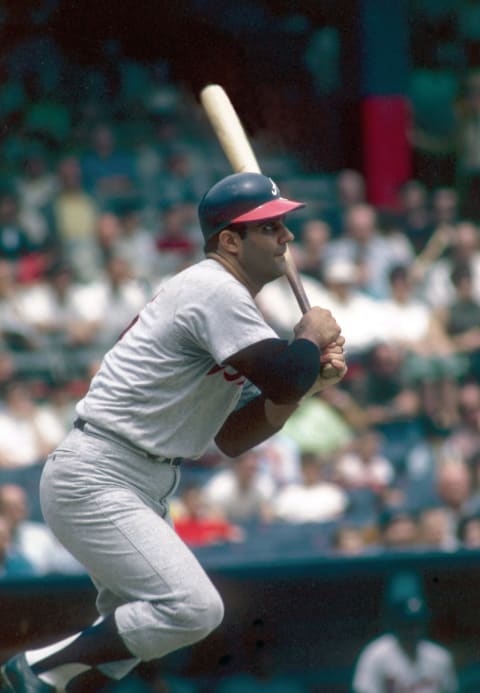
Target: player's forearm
x=252, y=424
x=283, y=373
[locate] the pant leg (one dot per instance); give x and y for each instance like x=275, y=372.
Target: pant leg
x=108, y=507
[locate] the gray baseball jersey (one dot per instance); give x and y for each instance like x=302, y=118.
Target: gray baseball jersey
x=163, y=386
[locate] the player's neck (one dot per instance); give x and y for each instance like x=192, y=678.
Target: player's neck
x=231, y=265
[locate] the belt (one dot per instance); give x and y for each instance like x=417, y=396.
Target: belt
x=101, y=433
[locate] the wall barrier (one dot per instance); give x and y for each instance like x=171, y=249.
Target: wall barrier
x=310, y=615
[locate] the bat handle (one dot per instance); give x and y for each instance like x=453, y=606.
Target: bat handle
x=296, y=284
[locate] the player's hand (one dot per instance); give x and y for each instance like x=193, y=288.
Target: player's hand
x=319, y=326
x=333, y=354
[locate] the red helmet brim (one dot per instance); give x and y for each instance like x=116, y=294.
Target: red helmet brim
x=269, y=210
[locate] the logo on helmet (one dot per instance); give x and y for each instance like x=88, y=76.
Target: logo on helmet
x=275, y=190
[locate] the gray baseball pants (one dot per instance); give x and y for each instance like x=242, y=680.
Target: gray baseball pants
x=109, y=506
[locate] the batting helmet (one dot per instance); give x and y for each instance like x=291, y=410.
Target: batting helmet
x=242, y=197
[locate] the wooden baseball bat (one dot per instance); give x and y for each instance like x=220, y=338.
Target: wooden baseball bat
x=239, y=152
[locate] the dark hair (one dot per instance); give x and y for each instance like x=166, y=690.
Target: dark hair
x=392, y=514
x=464, y=522
x=398, y=272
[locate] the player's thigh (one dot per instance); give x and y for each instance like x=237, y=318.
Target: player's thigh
x=113, y=529
x=128, y=548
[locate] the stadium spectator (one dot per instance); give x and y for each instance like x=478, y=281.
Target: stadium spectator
x=15, y=243
x=391, y=406
x=109, y=173
x=74, y=216
x=28, y=431
x=136, y=243
x=429, y=359
x=314, y=237
x=365, y=474
x=8, y=369
x=34, y=540
x=474, y=467
x=447, y=248
x=240, y=491
x=12, y=564
x=463, y=442
x=350, y=540
x=363, y=466
x=51, y=308
x=62, y=394
x=111, y=302
x=358, y=312
x=184, y=178
x=445, y=206
x=14, y=332
x=350, y=190
x=398, y=529
x=174, y=243
x=279, y=459
x=197, y=524
x=434, y=532
x=321, y=426
x=415, y=214
x=461, y=319
x=108, y=232
x=469, y=532
x=35, y=189
x=364, y=245
x=454, y=487
x=37, y=185
x=314, y=499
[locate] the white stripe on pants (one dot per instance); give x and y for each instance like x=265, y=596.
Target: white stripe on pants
x=109, y=507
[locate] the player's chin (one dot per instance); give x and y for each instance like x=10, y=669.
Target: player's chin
x=280, y=265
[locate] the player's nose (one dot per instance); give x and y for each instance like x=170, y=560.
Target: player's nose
x=285, y=235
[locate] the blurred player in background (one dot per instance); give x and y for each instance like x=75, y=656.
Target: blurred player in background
x=403, y=659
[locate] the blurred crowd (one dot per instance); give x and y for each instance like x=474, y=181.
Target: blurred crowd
x=98, y=194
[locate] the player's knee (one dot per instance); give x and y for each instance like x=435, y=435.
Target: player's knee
x=202, y=614
x=190, y=621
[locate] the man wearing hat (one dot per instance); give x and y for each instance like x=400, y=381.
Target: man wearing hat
x=403, y=659
x=198, y=363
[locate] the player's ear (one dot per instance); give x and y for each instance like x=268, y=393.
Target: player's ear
x=229, y=240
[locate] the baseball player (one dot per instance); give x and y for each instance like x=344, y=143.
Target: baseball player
x=198, y=363
x=403, y=660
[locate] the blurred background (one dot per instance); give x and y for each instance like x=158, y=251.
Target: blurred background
x=370, y=112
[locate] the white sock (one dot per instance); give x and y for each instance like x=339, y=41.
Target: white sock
x=34, y=656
